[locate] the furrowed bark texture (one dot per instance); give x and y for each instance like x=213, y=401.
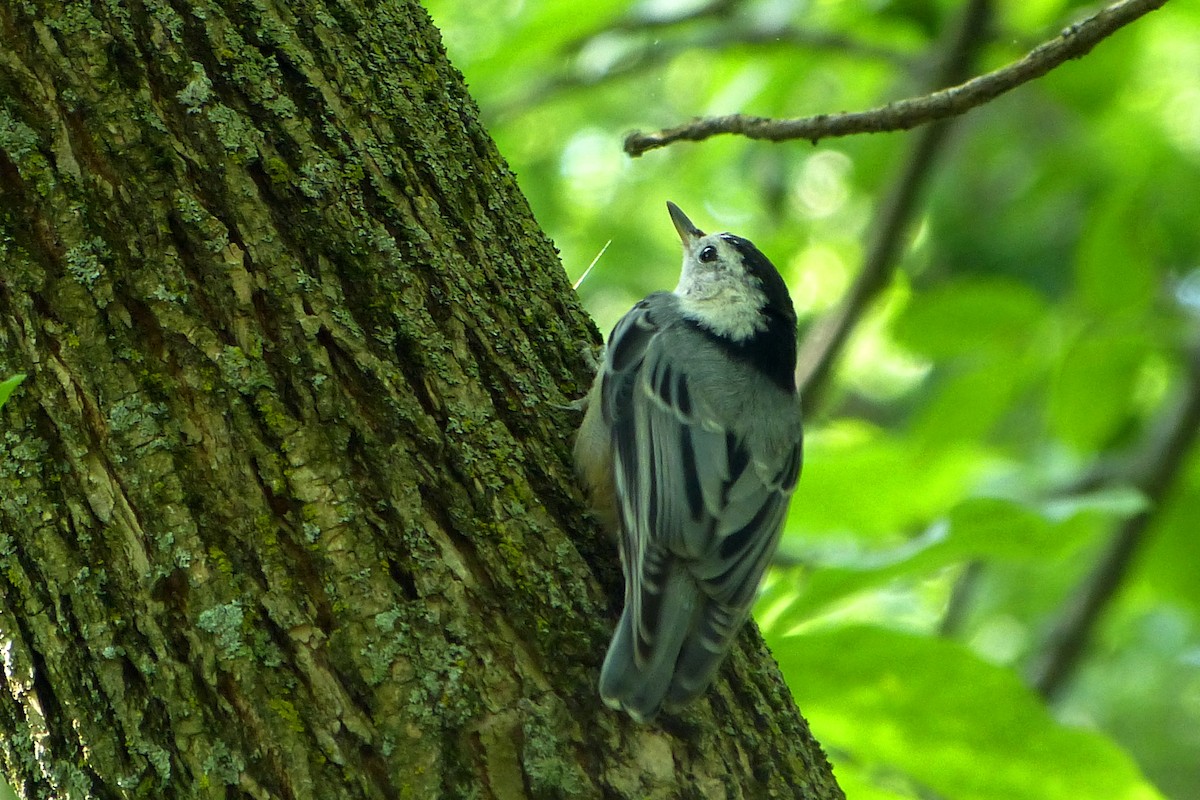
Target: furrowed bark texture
x=286, y=508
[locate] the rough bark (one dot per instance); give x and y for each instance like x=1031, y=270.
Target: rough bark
x=286, y=507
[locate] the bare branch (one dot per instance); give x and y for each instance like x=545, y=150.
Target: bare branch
x=1074, y=42
x=827, y=337
x=1070, y=635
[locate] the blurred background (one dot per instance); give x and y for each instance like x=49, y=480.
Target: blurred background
x=989, y=585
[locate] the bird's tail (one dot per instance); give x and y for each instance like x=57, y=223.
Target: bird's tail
x=712, y=634
x=639, y=682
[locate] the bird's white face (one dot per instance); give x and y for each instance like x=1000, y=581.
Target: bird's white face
x=717, y=290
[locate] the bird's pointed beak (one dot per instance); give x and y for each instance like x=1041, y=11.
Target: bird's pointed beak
x=688, y=233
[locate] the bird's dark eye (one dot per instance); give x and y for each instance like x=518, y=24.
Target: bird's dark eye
x=708, y=254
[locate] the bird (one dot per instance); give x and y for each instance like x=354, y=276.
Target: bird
x=690, y=448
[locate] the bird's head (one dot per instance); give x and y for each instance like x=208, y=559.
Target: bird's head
x=727, y=284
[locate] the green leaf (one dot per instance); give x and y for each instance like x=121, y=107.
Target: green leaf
x=1167, y=567
x=978, y=528
x=877, y=486
x=1094, y=389
x=8, y=386
x=930, y=709
x=1113, y=269
x=991, y=315
x=967, y=404
x=995, y=528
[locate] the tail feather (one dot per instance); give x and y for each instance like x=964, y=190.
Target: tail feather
x=640, y=688
x=702, y=653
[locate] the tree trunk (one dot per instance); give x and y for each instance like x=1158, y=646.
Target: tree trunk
x=286, y=505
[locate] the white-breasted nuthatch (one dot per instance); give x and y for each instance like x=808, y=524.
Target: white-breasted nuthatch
x=691, y=447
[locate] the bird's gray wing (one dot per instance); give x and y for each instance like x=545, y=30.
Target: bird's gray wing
x=700, y=516
x=747, y=531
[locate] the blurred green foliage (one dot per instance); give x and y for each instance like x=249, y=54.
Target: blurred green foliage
x=992, y=420
x=9, y=385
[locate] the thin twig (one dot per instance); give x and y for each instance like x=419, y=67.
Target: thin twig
x=826, y=338
x=1069, y=637
x=1074, y=42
